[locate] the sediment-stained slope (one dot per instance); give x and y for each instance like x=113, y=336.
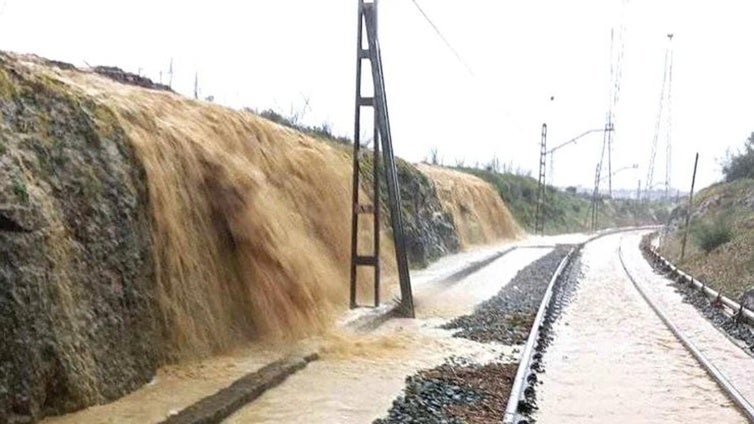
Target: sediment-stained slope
x=480, y=216
x=138, y=227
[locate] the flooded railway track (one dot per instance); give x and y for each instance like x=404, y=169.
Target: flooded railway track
x=604, y=351
x=714, y=372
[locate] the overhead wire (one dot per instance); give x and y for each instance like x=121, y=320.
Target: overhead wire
x=443, y=38
x=457, y=55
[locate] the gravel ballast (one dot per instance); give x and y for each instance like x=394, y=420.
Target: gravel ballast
x=738, y=331
x=461, y=391
x=507, y=317
x=454, y=392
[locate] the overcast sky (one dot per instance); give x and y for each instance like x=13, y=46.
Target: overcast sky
x=274, y=53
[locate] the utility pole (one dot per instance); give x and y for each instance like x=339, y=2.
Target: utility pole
x=539, y=218
x=196, y=85
x=638, y=191
x=688, y=212
x=595, y=195
x=368, y=49
x=170, y=74
x=609, y=131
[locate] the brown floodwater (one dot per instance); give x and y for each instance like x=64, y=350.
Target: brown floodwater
x=359, y=376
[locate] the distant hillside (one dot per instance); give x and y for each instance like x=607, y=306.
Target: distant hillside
x=567, y=211
x=720, y=247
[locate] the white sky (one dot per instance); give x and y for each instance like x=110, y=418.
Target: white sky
x=273, y=53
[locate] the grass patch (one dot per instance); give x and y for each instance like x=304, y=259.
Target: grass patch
x=19, y=189
x=323, y=131
x=566, y=210
x=710, y=236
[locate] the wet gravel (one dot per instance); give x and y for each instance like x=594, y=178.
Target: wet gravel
x=455, y=392
x=702, y=303
x=507, y=317
x=460, y=391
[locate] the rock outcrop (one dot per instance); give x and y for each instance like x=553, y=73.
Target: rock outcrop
x=76, y=270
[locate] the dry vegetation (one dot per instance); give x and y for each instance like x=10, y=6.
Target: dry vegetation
x=720, y=246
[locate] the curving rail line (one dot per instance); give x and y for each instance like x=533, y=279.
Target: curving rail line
x=518, y=406
x=727, y=387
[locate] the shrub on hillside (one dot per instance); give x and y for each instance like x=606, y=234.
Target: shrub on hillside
x=322, y=131
x=711, y=236
x=740, y=165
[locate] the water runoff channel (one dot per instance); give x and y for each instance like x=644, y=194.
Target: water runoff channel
x=617, y=344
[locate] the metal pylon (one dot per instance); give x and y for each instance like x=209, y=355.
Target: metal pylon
x=595, y=198
x=539, y=216
x=368, y=49
x=669, y=129
x=665, y=99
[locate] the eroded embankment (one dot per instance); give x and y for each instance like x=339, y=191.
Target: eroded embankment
x=478, y=212
x=148, y=228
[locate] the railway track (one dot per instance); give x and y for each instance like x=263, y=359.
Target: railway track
x=714, y=372
x=523, y=399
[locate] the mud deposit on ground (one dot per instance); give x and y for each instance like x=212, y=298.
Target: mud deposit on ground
x=738, y=331
x=454, y=392
x=508, y=316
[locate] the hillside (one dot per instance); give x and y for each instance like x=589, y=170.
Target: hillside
x=720, y=212
x=139, y=228
x=568, y=212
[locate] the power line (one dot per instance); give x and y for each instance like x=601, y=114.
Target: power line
x=442, y=37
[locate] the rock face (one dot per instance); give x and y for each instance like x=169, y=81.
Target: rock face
x=120, y=75
x=428, y=227
x=430, y=230
x=75, y=265
x=479, y=214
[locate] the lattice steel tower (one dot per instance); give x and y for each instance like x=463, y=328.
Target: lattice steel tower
x=663, y=114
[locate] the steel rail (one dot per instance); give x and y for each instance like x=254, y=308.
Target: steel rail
x=517, y=394
x=524, y=367
x=745, y=314
x=727, y=387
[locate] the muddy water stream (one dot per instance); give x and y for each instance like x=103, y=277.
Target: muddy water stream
x=358, y=376
x=614, y=361
x=175, y=387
